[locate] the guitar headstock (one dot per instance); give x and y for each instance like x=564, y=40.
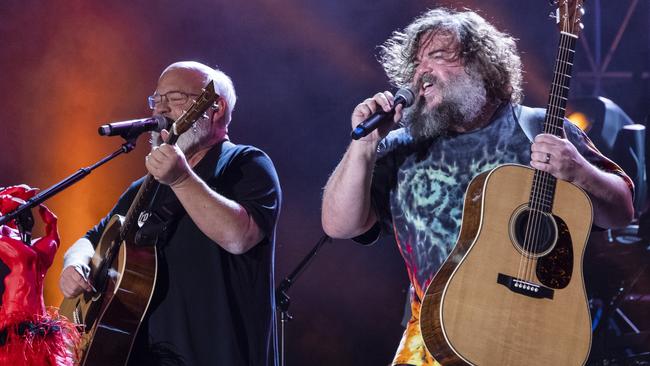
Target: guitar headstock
x=196, y=110
x=569, y=15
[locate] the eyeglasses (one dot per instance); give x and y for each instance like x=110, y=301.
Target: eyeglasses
x=174, y=98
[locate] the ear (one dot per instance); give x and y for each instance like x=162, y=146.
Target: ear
x=219, y=104
x=219, y=108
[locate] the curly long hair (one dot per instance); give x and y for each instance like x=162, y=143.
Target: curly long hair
x=491, y=52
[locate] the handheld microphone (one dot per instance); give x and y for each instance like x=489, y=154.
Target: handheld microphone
x=404, y=96
x=135, y=127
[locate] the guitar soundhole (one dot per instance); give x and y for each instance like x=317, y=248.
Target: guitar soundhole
x=534, y=233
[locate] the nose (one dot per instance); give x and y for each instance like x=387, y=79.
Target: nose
x=422, y=68
x=417, y=77
x=162, y=107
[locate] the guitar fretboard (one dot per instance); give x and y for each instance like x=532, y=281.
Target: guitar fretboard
x=543, y=190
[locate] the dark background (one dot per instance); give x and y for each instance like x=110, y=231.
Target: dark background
x=299, y=68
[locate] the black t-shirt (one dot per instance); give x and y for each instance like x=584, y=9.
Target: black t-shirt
x=211, y=307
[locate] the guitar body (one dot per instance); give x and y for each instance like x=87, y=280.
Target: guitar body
x=473, y=314
x=124, y=275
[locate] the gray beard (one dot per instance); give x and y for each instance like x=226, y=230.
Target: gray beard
x=462, y=102
x=190, y=141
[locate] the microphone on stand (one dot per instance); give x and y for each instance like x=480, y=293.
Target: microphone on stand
x=135, y=127
x=404, y=96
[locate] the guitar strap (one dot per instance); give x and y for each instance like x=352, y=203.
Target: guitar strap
x=161, y=223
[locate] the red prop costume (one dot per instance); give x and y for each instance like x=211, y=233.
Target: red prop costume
x=30, y=334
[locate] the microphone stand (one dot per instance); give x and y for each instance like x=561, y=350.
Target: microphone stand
x=281, y=293
x=23, y=214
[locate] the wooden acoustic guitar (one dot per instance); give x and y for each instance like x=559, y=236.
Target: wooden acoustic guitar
x=123, y=270
x=512, y=291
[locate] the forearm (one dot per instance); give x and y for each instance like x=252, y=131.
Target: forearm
x=79, y=256
x=610, y=196
x=346, y=210
x=224, y=221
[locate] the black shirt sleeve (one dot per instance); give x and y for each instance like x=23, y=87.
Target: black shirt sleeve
x=250, y=180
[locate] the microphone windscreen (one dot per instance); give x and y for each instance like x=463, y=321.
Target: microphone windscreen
x=407, y=95
x=164, y=123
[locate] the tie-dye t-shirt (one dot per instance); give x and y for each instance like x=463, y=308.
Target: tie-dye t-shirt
x=418, y=189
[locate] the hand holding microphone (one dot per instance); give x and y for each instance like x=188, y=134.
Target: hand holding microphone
x=376, y=112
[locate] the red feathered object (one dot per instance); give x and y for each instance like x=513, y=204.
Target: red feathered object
x=30, y=334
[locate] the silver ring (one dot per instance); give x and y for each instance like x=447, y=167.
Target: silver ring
x=548, y=158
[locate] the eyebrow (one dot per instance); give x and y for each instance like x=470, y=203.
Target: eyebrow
x=447, y=49
x=173, y=91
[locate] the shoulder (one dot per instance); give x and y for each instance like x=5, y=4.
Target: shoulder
x=247, y=160
x=238, y=153
x=395, y=140
x=132, y=189
x=230, y=149
x=136, y=184
x=531, y=120
x=531, y=114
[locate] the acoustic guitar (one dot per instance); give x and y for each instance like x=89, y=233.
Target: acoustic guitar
x=123, y=270
x=512, y=292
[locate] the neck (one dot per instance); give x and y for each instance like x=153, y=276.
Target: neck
x=198, y=155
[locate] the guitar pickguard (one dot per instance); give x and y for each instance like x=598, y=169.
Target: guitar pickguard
x=554, y=269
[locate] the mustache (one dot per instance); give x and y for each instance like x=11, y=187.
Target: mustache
x=426, y=78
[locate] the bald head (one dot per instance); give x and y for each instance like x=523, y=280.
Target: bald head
x=184, y=80
x=199, y=75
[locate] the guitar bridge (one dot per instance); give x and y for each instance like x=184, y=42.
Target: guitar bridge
x=525, y=288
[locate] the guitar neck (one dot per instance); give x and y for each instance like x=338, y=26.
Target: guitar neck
x=560, y=87
x=140, y=203
x=543, y=191
x=143, y=199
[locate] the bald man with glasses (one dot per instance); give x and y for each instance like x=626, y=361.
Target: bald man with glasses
x=213, y=301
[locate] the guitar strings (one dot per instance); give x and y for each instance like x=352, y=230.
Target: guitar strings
x=543, y=181
x=564, y=57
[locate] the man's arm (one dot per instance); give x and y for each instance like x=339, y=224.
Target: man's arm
x=76, y=269
x=610, y=194
x=347, y=209
x=223, y=220
x=75, y=277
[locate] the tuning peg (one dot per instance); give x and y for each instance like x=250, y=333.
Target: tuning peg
x=552, y=2
x=582, y=10
x=555, y=15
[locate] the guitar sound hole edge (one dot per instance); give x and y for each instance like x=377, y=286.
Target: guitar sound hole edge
x=548, y=232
